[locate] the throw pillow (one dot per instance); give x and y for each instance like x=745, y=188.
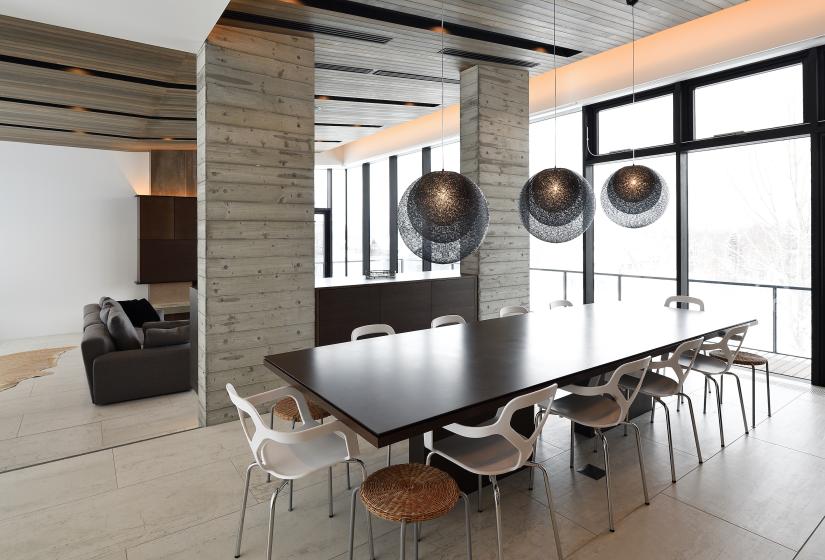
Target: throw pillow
x=139, y=311
x=122, y=331
x=155, y=337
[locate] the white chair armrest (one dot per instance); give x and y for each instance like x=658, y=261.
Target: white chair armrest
x=271, y=395
x=473, y=432
x=334, y=426
x=588, y=391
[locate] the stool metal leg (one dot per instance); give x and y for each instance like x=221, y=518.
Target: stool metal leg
x=243, y=509
x=753, y=397
x=572, y=441
x=403, y=538
x=550, y=506
x=467, y=525
x=271, y=534
x=415, y=541
x=652, y=411
x=478, y=498
x=695, y=433
x=291, y=486
x=331, y=513
x=389, y=455
x=349, y=484
x=497, y=498
x=669, y=438
x=768, y=385
x=607, y=480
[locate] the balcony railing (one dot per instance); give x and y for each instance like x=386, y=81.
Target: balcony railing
x=773, y=289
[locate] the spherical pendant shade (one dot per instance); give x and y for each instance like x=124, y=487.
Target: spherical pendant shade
x=443, y=217
x=557, y=205
x=634, y=196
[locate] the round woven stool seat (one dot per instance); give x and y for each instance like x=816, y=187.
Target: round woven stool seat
x=410, y=493
x=743, y=358
x=287, y=409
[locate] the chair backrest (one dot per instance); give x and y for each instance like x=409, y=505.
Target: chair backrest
x=372, y=330
x=502, y=426
x=636, y=368
x=560, y=303
x=688, y=348
x=511, y=310
x=445, y=320
x=730, y=343
x=669, y=302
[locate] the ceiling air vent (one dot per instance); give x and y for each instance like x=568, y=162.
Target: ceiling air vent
x=391, y=74
x=488, y=58
x=342, y=68
x=302, y=26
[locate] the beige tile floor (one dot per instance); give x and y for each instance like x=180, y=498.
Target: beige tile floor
x=177, y=497
x=53, y=417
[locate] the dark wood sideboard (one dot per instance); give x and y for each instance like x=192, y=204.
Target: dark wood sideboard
x=167, y=239
x=404, y=304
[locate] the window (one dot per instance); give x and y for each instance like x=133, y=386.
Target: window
x=409, y=169
x=636, y=264
x=321, y=188
x=555, y=268
x=380, y=215
x=754, y=102
x=750, y=238
x=355, y=193
x=645, y=123
x=339, y=222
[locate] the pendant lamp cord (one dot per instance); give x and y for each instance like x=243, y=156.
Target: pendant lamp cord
x=555, y=95
x=633, y=74
x=442, y=85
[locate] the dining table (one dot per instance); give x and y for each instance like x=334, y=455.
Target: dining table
x=394, y=388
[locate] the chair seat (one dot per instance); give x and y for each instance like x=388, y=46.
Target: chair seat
x=410, y=492
x=743, y=358
x=654, y=384
x=300, y=459
x=596, y=412
x=486, y=456
x=286, y=409
x=705, y=364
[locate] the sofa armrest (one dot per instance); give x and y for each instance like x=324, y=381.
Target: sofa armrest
x=96, y=342
x=164, y=324
x=135, y=374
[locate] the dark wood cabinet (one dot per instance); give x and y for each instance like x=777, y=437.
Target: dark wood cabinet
x=407, y=305
x=167, y=239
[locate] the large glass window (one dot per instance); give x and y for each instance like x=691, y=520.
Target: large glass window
x=409, y=169
x=764, y=100
x=354, y=219
x=339, y=222
x=321, y=188
x=750, y=238
x=555, y=268
x=645, y=123
x=380, y=215
x=636, y=264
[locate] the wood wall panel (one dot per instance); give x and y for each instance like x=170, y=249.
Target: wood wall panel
x=174, y=173
x=494, y=153
x=255, y=209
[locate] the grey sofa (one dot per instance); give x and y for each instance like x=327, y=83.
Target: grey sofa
x=124, y=367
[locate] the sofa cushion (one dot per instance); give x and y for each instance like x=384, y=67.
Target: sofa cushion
x=139, y=311
x=107, y=304
x=122, y=331
x=155, y=337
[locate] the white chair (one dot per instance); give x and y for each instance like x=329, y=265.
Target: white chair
x=560, y=303
x=291, y=455
x=725, y=351
x=687, y=300
x=378, y=329
x=496, y=449
x=657, y=385
x=600, y=407
x=446, y=320
x=511, y=310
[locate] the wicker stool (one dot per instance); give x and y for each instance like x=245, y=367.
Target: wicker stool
x=409, y=493
x=751, y=360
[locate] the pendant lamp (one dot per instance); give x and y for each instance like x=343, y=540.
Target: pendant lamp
x=443, y=215
x=634, y=196
x=556, y=204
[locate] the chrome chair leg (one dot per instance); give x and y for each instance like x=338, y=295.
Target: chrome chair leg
x=572, y=441
x=695, y=433
x=349, y=484
x=389, y=455
x=722, y=388
x=291, y=486
x=705, y=399
x=497, y=499
x=271, y=534
x=719, y=411
x=641, y=461
x=243, y=509
x=741, y=399
x=478, y=498
x=467, y=525
x=652, y=411
x=550, y=506
x=403, y=538
x=607, y=480
x=536, y=420
x=366, y=512
x=768, y=385
x=329, y=487
x=669, y=438
x=753, y=397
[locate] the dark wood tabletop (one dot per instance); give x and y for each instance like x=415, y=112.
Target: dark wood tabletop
x=389, y=389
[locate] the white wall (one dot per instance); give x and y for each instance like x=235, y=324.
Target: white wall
x=68, y=234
